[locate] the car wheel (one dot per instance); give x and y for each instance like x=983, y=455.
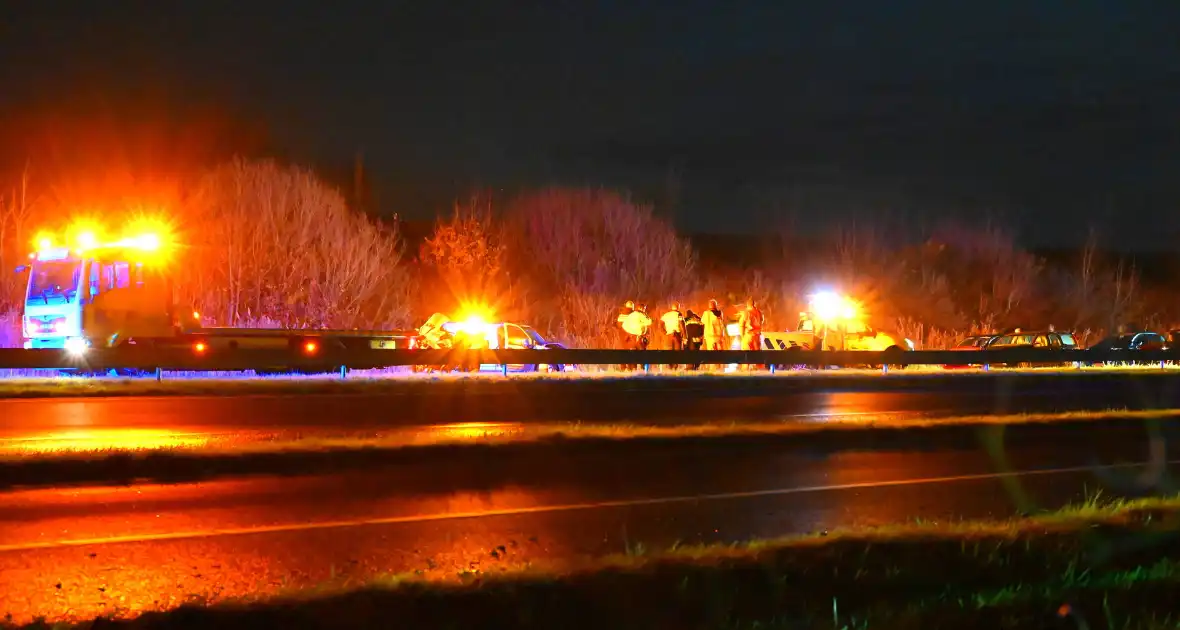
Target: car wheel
x=892, y=355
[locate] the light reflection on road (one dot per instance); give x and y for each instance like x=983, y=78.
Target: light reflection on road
x=469, y=431
x=225, y=556
x=133, y=439
x=64, y=583
x=216, y=508
x=103, y=440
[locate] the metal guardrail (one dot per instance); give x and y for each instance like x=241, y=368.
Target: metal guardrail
x=339, y=359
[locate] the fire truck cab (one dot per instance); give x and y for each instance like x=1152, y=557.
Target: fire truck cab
x=96, y=294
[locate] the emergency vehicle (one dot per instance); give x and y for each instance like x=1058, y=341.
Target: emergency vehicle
x=92, y=293
x=509, y=336
x=834, y=323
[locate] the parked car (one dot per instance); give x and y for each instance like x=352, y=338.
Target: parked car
x=1131, y=343
x=512, y=336
x=1047, y=340
x=974, y=342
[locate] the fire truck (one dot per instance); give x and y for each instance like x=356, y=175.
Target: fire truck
x=90, y=293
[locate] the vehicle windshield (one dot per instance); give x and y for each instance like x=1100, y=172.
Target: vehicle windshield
x=57, y=279
x=1067, y=341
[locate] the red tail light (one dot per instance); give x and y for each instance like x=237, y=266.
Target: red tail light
x=200, y=347
x=310, y=347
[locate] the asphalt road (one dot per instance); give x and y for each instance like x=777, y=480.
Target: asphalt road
x=90, y=551
x=148, y=421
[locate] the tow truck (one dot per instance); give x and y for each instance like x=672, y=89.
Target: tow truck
x=833, y=322
x=87, y=293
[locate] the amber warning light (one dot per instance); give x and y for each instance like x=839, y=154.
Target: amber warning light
x=200, y=347
x=310, y=347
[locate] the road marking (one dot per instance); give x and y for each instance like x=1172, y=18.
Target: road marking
x=543, y=509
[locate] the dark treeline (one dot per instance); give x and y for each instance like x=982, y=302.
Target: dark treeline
x=266, y=242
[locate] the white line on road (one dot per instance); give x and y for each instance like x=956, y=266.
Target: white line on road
x=542, y=509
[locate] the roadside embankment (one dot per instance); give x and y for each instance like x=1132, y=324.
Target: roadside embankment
x=1089, y=566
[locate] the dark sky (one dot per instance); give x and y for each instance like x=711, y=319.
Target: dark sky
x=744, y=115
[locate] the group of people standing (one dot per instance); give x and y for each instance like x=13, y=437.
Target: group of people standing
x=687, y=330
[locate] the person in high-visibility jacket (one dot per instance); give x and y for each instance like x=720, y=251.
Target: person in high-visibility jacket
x=637, y=325
x=714, y=323
x=624, y=339
x=750, y=324
x=673, y=321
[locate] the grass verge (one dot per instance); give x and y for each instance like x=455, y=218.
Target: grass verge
x=498, y=458
x=1094, y=566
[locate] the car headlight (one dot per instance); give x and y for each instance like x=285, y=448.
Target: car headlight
x=76, y=346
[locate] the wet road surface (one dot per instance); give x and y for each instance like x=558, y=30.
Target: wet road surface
x=89, y=551
x=193, y=421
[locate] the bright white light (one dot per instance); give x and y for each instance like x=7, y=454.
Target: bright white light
x=87, y=240
x=826, y=305
x=76, y=346
x=830, y=307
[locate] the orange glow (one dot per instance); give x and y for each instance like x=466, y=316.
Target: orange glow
x=71, y=584
x=473, y=430
x=310, y=347
x=475, y=313
x=829, y=307
x=474, y=319
x=43, y=240
x=106, y=439
x=83, y=234
x=87, y=240
x=199, y=347
x=151, y=236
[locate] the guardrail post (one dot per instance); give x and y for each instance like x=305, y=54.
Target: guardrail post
x=884, y=368
x=344, y=371
x=647, y=368
x=503, y=369
x=772, y=366
x=159, y=374
x=986, y=367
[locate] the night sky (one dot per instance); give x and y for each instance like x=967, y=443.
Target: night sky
x=736, y=116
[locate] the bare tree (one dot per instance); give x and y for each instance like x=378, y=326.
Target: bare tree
x=573, y=243
x=1121, y=292
x=273, y=241
x=465, y=254
x=1087, y=281
x=991, y=276
x=16, y=208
